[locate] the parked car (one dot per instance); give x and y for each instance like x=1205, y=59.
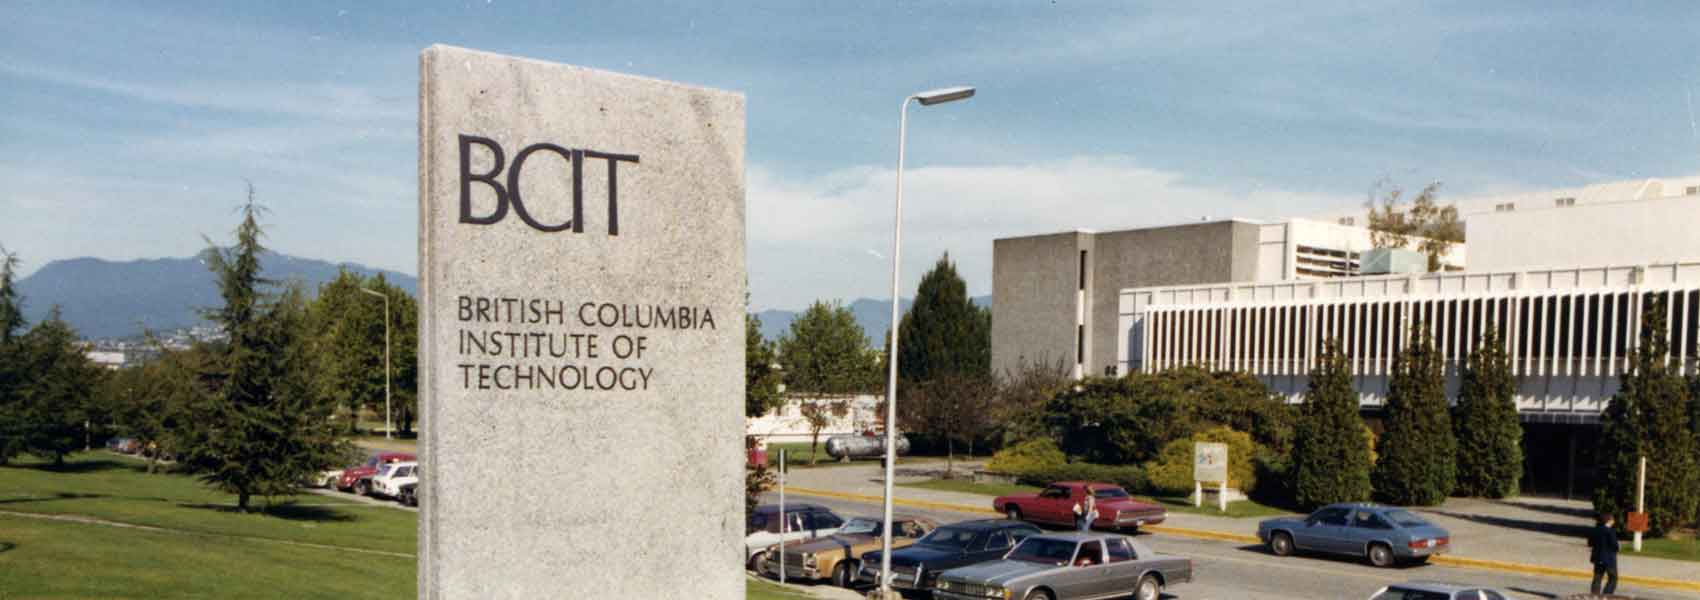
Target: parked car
x=948, y=547
x=1054, y=505
x=1385, y=535
x=358, y=478
x=1068, y=566
x=388, y=480
x=835, y=556
x=766, y=528
x=409, y=494
x=1431, y=590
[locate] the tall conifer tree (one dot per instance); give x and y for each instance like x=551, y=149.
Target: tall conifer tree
x=260, y=432
x=11, y=322
x=1490, y=437
x=1416, y=463
x=1330, y=455
x=944, y=334
x=1650, y=416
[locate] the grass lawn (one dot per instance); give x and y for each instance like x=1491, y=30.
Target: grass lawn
x=1680, y=549
x=1241, y=509
x=115, y=488
x=968, y=486
x=45, y=559
x=763, y=590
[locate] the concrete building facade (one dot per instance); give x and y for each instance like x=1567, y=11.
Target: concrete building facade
x=1055, y=297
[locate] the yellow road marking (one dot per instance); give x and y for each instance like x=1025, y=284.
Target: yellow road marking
x=1445, y=559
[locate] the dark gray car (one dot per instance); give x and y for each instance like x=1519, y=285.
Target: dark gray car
x=1068, y=566
x=1432, y=590
x=1385, y=535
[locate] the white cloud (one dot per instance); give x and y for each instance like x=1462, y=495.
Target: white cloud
x=813, y=238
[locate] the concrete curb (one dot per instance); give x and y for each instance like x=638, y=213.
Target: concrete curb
x=1457, y=561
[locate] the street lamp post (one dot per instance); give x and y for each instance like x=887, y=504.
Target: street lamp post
x=388, y=427
x=928, y=98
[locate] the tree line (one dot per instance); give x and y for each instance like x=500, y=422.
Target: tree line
x=254, y=413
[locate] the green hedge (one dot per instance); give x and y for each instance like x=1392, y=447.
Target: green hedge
x=1129, y=477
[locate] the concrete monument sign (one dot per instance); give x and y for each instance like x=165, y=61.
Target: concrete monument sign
x=581, y=263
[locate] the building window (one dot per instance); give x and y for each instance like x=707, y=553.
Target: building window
x=1349, y=221
x=1693, y=190
x=1506, y=207
x=1079, y=344
x=1565, y=201
x=1082, y=269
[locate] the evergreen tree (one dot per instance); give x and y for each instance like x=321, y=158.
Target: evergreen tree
x=1650, y=416
x=260, y=430
x=1490, y=437
x=1330, y=454
x=11, y=374
x=943, y=333
x=57, y=390
x=761, y=380
x=1417, y=458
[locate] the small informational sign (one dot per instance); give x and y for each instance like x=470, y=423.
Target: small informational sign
x=1209, y=462
x=1637, y=522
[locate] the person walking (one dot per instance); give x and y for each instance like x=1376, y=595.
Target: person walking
x=1086, y=510
x=1603, y=542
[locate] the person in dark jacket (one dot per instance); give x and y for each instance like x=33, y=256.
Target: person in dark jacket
x=1603, y=542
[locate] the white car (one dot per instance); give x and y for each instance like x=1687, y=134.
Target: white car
x=389, y=478
x=801, y=521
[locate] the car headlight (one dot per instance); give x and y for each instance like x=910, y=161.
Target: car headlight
x=808, y=560
x=995, y=592
x=944, y=585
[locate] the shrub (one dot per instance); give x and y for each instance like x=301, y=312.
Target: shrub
x=1171, y=472
x=1650, y=417
x=1027, y=456
x=1274, y=480
x=1129, y=477
x=1124, y=420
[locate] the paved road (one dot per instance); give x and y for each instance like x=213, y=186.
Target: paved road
x=1230, y=571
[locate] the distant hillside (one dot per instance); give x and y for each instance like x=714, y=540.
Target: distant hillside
x=104, y=299
x=872, y=314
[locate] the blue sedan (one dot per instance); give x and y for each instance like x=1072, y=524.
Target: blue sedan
x=1383, y=534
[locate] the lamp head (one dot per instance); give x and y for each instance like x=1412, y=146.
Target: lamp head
x=942, y=95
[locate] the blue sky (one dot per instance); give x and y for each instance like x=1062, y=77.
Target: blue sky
x=127, y=128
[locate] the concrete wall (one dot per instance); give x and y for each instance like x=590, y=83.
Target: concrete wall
x=1657, y=230
x=1035, y=289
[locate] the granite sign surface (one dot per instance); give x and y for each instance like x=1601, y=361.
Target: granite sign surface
x=581, y=263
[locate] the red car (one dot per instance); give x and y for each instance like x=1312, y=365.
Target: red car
x=358, y=479
x=1055, y=506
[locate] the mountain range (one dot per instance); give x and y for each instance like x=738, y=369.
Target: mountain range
x=108, y=299
x=113, y=299
x=874, y=315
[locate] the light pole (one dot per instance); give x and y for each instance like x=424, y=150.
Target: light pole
x=388, y=427
x=928, y=98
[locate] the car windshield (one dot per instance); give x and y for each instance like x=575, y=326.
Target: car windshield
x=1108, y=493
x=949, y=537
x=1043, y=550
x=860, y=526
x=1404, y=518
x=1398, y=593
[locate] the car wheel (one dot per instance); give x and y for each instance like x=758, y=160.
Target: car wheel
x=1148, y=589
x=1013, y=512
x=1380, y=555
x=363, y=488
x=755, y=562
x=843, y=576
x=1039, y=595
x=1281, y=544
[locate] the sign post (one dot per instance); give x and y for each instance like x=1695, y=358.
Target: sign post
x=784, y=523
x=1640, y=505
x=1210, y=464
x=581, y=331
